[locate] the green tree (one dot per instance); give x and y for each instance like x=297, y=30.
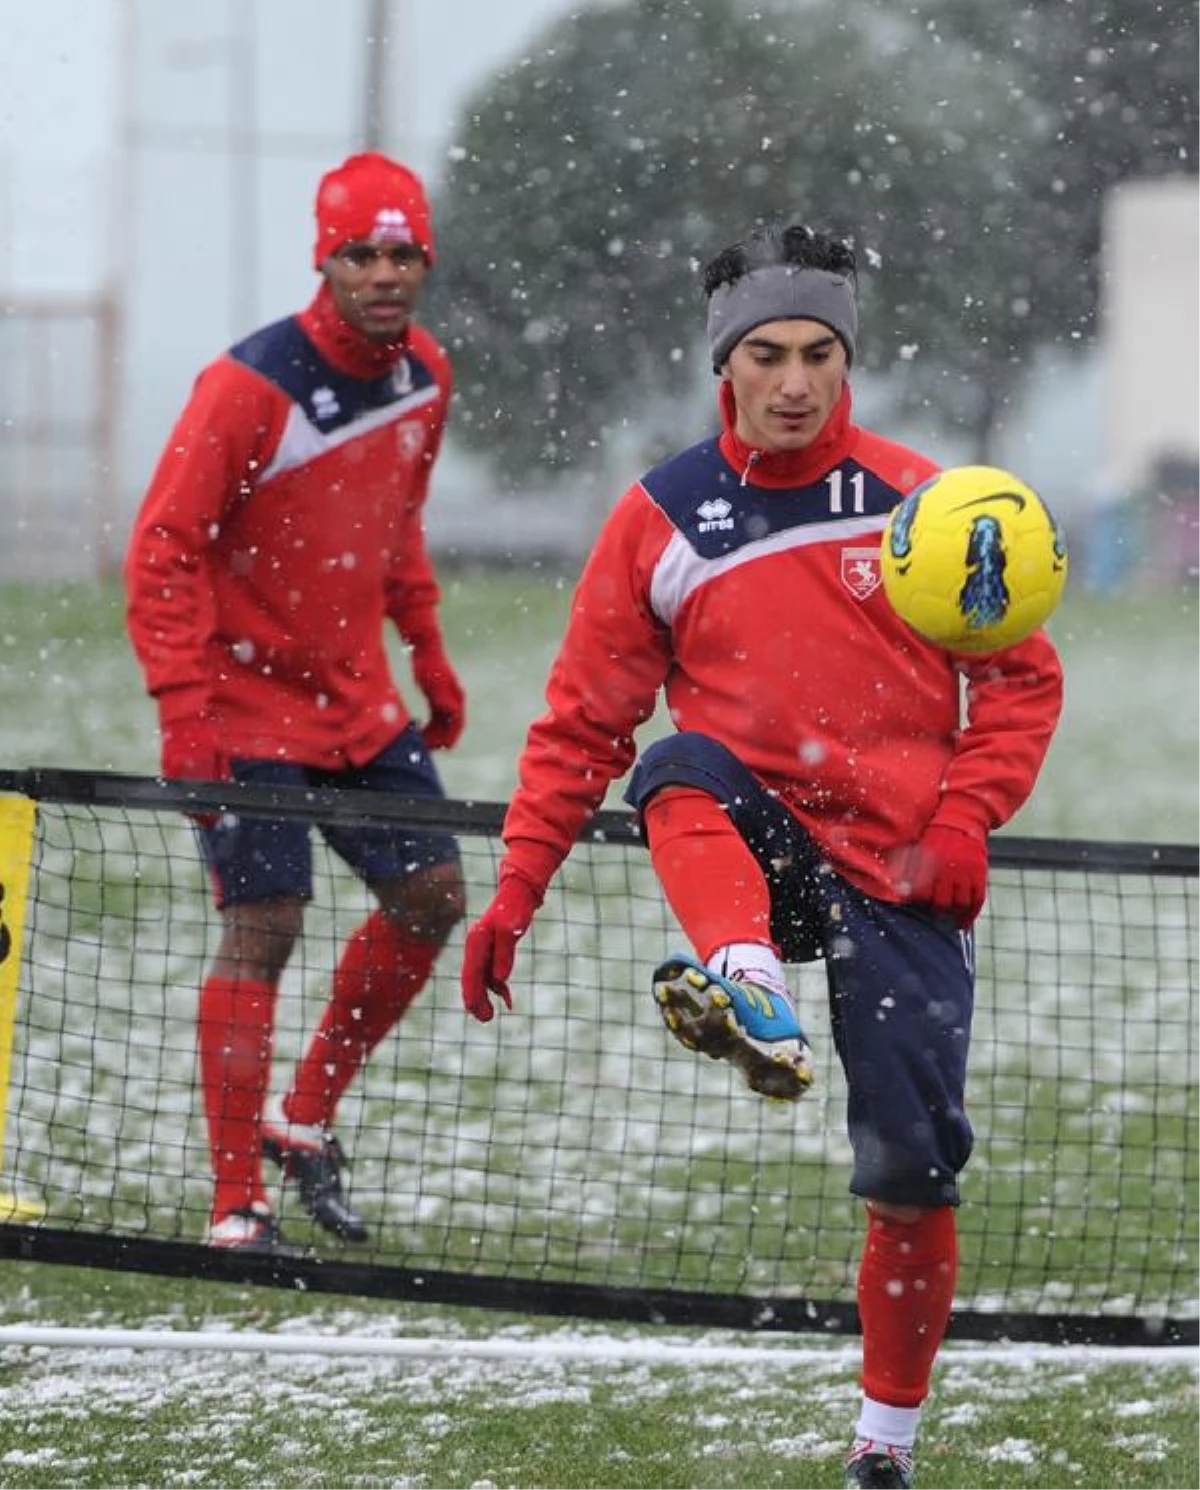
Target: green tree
x=590, y=179
x=1115, y=87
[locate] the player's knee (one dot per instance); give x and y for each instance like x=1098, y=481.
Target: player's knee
x=446, y=907
x=429, y=904
x=258, y=938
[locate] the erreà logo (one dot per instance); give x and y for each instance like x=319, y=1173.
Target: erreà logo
x=391, y=226
x=714, y=515
x=325, y=404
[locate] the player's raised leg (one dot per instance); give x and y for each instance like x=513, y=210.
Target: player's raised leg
x=730, y=1003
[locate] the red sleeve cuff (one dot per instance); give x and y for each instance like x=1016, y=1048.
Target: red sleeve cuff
x=186, y=702
x=533, y=861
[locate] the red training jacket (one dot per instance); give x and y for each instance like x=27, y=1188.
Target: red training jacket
x=746, y=585
x=282, y=525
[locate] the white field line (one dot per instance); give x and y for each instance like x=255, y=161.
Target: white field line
x=538, y=1352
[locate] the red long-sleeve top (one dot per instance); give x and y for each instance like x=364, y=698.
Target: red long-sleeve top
x=282, y=526
x=745, y=586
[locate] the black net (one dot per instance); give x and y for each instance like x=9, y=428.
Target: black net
x=570, y=1155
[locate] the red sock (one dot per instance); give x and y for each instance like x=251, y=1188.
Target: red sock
x=905, y=1290
x=713, y=882
x=380, y=973
x=235, y=1023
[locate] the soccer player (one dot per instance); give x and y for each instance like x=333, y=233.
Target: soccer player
x=281, y=529
x=828, y=791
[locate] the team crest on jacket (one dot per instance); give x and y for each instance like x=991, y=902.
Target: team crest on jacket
x=410, y=438
x=861, y=573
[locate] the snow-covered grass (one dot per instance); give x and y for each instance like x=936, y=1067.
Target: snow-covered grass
x=1123, y=767
x=1005, y=1416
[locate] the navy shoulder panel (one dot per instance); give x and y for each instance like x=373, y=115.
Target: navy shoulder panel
x=285, y=356
x=703, y=496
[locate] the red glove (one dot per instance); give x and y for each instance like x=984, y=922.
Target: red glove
x=946, y=870
x=438, y=681
x=191, y=745
x=491, y=946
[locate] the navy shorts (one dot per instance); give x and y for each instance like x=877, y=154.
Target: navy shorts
x=254, y=858
x=901, y=982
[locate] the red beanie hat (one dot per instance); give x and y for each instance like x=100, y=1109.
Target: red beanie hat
x=371, y=199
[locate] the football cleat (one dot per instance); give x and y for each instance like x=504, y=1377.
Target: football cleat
x=751, y=1027
x=312, y=1159
x=250, y=1228
x=880, y=1465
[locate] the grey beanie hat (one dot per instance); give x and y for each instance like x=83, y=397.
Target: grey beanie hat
x=780, y=292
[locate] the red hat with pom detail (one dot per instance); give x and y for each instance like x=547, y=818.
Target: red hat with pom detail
x=371, y=199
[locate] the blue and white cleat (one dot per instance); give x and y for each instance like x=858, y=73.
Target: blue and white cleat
x=747, y=1025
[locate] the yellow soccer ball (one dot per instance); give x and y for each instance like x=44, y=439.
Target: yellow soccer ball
x=973, y=559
